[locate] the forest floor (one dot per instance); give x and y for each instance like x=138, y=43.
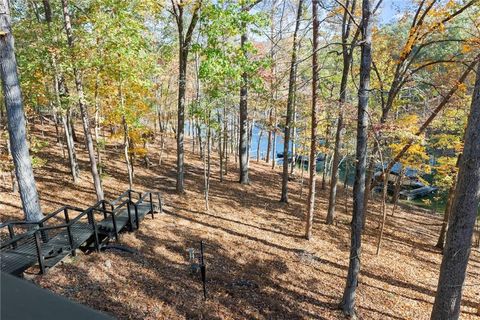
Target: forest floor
x=258, y=264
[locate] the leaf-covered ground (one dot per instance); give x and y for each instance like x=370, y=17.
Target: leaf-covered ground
x=258, y=264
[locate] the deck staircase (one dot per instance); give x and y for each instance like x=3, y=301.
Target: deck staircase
x=48, y=241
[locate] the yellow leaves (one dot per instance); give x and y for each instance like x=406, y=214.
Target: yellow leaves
x=462, y=87
x=139, y=151
x=450, y=4
x=466, y=48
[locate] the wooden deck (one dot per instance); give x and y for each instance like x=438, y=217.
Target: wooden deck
x=122, y=219
x=47, y=244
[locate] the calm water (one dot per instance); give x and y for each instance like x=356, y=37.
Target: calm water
x=263, y=141
x=438, y=201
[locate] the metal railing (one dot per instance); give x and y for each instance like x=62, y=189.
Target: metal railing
x=36, y=236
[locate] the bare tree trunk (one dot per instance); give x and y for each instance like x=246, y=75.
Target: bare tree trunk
x=294, y=142
x=220, y=150
x=250, y=137
x=398, y=186
x=384, y=212
x=348, y=300
x=225, y=140
x=183, y=56
x=206, y=165
x=83, y=107
x=347, y=57
x=16, y=119
x=462, y=219
x=443, y=232
x=292, y=83
x=72, y=156
x=313, y=136
x=270, y=136
x=243, y=145
x=258, y=144
x=274, y=141
x=97, y=125
x=184, y=42
x=126, y=138
x=60, y=89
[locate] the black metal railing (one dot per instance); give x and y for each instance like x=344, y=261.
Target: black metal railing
x=26, y=242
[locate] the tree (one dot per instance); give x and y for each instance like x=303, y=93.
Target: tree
x=82, y=104
x=290, y=104
x=16, y=119
x=243, y=146
x=462, y=219
x=313, y=135
x=347, y=54
x=348, y=301
x=60, y=90
x=184, y=43
x=427, y=23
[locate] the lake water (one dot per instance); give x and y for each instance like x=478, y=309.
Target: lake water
x=263, y=141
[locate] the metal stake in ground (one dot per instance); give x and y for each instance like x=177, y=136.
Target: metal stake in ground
x=202, y=270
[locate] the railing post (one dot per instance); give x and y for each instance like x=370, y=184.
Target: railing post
x=44, y=233
x=11, y=234
x=41, y=260
x=69, y=232
x=136, y=216
x=91, y=217
x=104, y=209
x=151, y=204
x=129, y=216
x=114, y=221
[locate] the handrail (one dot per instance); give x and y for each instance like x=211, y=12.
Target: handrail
x=48, y=216
x=121, y=196
x=40, y=230
x=122, y=204
x=19, y=222
x=113, y=204
x=16, y=239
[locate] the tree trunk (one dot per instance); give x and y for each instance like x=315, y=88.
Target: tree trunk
x=206, y=165
x=97, y=125
x=243, y=145
x=83, y=107
x=72, y=129
x=16, y=119
x=448, y=207
x=250, y=137
x=274, y=142
x=384, y=212
x=294, y=143
x=347, y=56
x=72, y=156
x=220, y=147
x=126, y=147
x=398, y=185
x=270, y=136
x=348, y=300
x=182, y=78
x=290, y=104
x=258, y=144
x=225, y=140
x=126, y=137
x=313, y=135
x=60, y=90
x=462, y=219
x=184, y=41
